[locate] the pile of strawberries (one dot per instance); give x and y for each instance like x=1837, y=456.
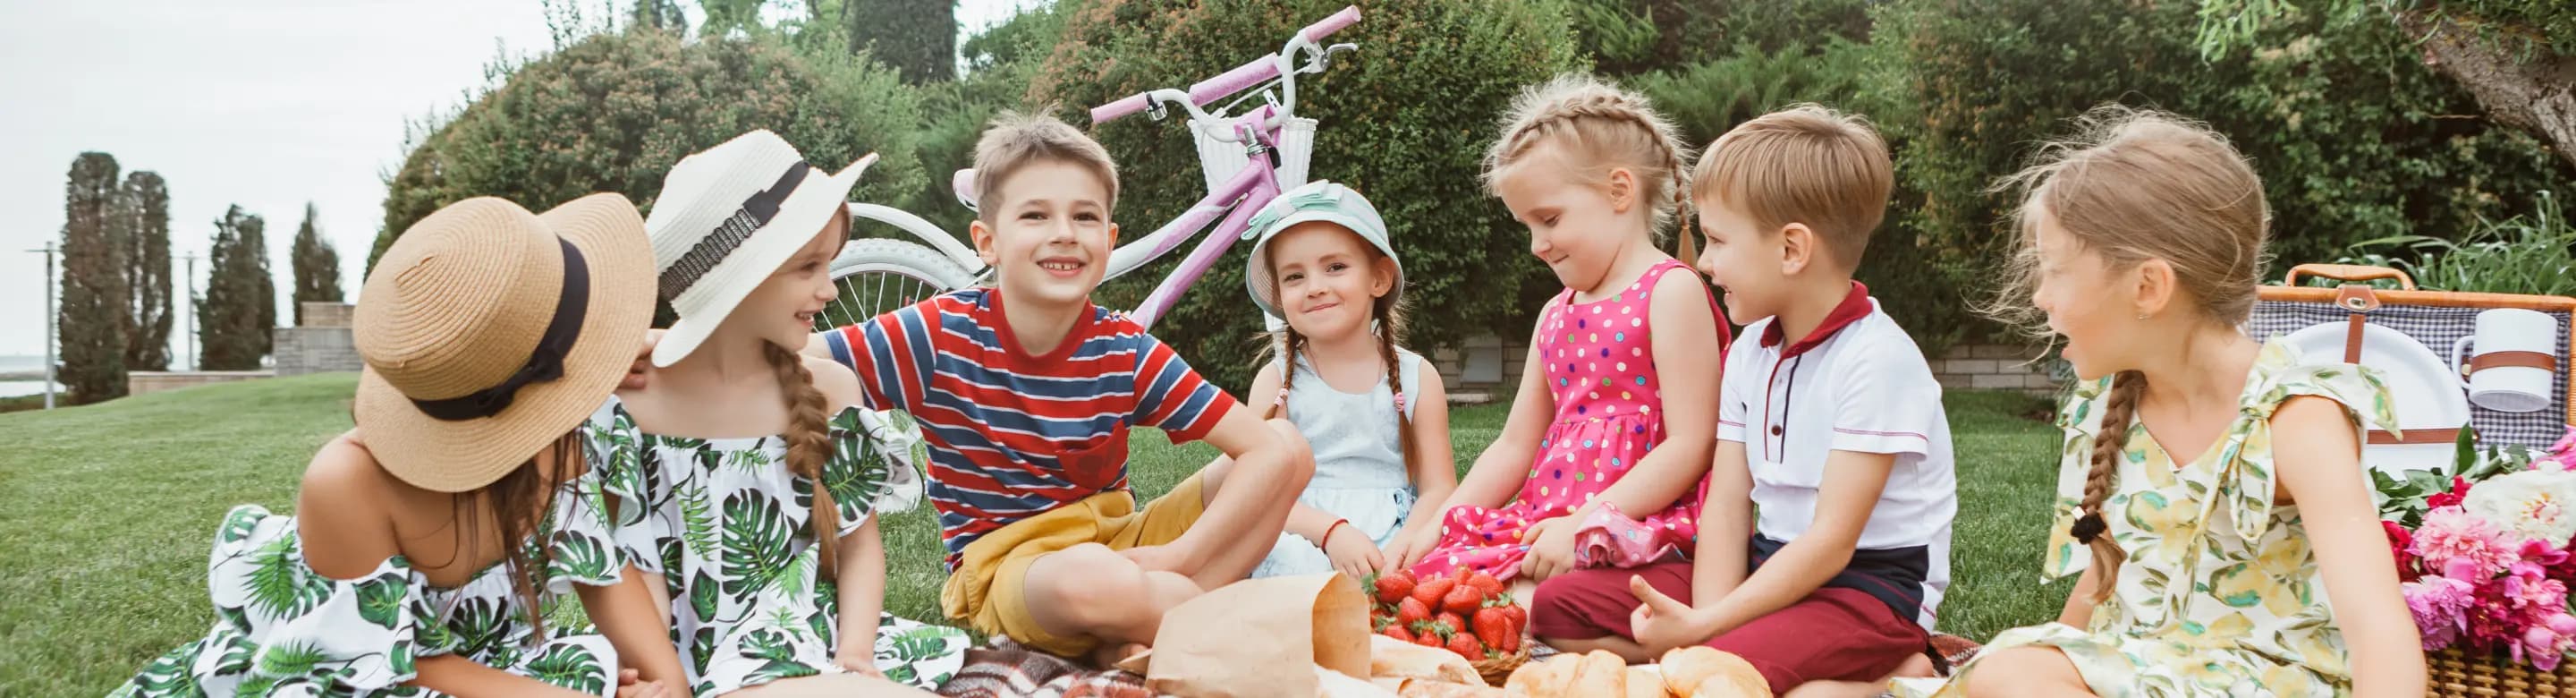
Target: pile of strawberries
x=1468, y=613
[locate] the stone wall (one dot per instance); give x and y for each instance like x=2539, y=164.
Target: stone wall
x=322, y=344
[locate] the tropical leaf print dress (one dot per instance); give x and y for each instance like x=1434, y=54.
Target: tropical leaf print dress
x=282, y=629
x=2221, y=595
x=725, y=525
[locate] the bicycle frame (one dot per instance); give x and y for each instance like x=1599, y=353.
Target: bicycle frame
x=1255, y=186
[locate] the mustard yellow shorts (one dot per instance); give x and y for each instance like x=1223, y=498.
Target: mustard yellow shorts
x=988, y=590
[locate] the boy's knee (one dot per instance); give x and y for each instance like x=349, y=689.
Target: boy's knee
x=1089, y=583
x=1568, y=605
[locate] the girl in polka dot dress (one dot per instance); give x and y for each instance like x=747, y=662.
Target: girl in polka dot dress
x=1609, y=440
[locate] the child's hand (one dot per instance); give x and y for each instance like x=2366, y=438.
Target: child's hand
x=862, y=663
x=629, y=685
x=1661, y=623
x=1408, y=550
x=1352, y=554
x=643, y=362
x=1551, y=550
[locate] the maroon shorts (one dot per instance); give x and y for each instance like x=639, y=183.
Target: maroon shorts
x=1835, y=634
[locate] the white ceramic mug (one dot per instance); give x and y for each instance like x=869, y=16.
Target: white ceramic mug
x=2516, y=358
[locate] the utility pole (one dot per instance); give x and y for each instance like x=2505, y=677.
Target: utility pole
x=192, y=309
x=48, y=251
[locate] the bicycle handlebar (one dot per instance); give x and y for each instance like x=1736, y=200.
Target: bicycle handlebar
x=1233, y=81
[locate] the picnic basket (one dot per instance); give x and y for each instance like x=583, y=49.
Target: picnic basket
x=2436, y=318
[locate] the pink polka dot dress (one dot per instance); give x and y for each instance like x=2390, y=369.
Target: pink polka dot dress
x=1601, y=368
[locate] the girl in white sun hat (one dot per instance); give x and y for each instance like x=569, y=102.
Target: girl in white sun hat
x=1321, y=260
x=747, y=475
x=418, y=555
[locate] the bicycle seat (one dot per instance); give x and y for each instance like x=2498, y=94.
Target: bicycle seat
x=964, y=184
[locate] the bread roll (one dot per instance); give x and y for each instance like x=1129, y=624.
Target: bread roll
x=1334, y=684
x=1393, y=658
x=1643, y=683
x=1704, y=672
x=1598, y=674
x=1539, y=679
x=1421, y=688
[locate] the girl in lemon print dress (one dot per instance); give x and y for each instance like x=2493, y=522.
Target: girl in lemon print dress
x=1611, y=433
x=2209, y=491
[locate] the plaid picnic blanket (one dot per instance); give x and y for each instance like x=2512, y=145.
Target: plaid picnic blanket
x=1008, y=670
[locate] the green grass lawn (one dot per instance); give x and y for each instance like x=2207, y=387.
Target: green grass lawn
x=107, y=513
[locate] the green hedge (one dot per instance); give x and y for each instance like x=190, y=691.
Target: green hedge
x=1405, y=121
x=614, y=111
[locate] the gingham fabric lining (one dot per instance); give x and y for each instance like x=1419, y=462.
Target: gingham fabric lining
x=2437, y=328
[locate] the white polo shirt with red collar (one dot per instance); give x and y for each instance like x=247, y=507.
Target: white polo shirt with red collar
x=1857, y=383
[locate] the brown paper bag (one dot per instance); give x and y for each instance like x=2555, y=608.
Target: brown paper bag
x=1262, y=638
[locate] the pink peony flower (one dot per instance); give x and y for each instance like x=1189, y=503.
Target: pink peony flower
x=2452, y=534
x=2439, y=604
x=2400, y=543
x=2566, y=443
x=2547, y=641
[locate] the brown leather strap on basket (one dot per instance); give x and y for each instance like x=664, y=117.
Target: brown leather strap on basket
x=2513, y=359
x=2359, y=299
x=2413, y=437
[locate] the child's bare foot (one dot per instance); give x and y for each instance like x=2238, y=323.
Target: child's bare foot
x=1110, y=655
x=1917, y=667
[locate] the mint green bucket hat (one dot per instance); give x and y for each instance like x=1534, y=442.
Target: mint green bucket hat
x=1314, y=201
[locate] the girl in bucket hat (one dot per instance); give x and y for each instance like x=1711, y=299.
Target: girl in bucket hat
x=747, y=475
x=1321, y=260
x=420, y=554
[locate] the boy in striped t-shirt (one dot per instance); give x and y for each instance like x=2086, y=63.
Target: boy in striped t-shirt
x=1026, y=391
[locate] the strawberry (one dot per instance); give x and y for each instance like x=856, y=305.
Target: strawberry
x=1393, y=588
x=1462, y=600
x=1431, y=591
x=1412, y=611
x=1467, y=646
x=1519, y=616
x=1496, y=629
x=1430, y=640
x=1486, y=584
x=1455, y=624
x=1399, y=633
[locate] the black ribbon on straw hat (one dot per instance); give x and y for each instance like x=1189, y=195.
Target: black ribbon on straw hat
x=544, y=364
x=711, y=250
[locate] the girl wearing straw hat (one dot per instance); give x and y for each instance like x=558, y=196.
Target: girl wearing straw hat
x=775, y=584
x=419, y=555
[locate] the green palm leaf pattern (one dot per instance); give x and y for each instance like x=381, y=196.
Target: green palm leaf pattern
x=702, y=595
x=290, y=659
x=581, y=558
x=237, y=656
x=479, y=626
x=701, y=649
x=280, y=586
x=787, y=619
x=919, y=644
x=168, y=675
x=821, y=624
x=778, y=669
x=380, y=600
x=697, y=518
x=756, y=537
x=903, y=674
x=767, y=644
x=570, y=666
x=799, y=575
x=238, y=525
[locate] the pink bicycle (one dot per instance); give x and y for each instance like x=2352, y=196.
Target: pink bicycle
x=1246, y=158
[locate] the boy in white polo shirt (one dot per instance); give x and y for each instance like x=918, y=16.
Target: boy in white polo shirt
x=1830, y=425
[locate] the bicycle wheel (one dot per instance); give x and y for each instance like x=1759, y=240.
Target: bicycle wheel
x=879, y=275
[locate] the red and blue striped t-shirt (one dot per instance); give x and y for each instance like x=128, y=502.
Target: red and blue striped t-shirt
x=1013, y=435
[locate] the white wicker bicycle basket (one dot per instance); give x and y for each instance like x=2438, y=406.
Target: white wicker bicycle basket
x=1220, y=161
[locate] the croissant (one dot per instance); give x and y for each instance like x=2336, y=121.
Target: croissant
x=1538, y=679
x=1703, y=672
x=1598, y=674
x=1393, y=658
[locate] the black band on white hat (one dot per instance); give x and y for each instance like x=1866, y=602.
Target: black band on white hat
x=729, y=235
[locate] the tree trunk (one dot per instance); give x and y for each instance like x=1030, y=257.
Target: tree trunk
x=2537, y=95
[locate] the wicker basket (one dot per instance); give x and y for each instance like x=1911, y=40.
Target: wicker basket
x=1500, y=668
x=2453, y=672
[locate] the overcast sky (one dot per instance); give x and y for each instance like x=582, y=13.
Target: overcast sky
x=264, y=103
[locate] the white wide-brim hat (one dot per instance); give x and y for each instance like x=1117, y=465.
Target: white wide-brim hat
x=727, y=219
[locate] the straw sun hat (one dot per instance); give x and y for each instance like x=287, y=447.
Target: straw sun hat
x=726, y=220
x=489, y=332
